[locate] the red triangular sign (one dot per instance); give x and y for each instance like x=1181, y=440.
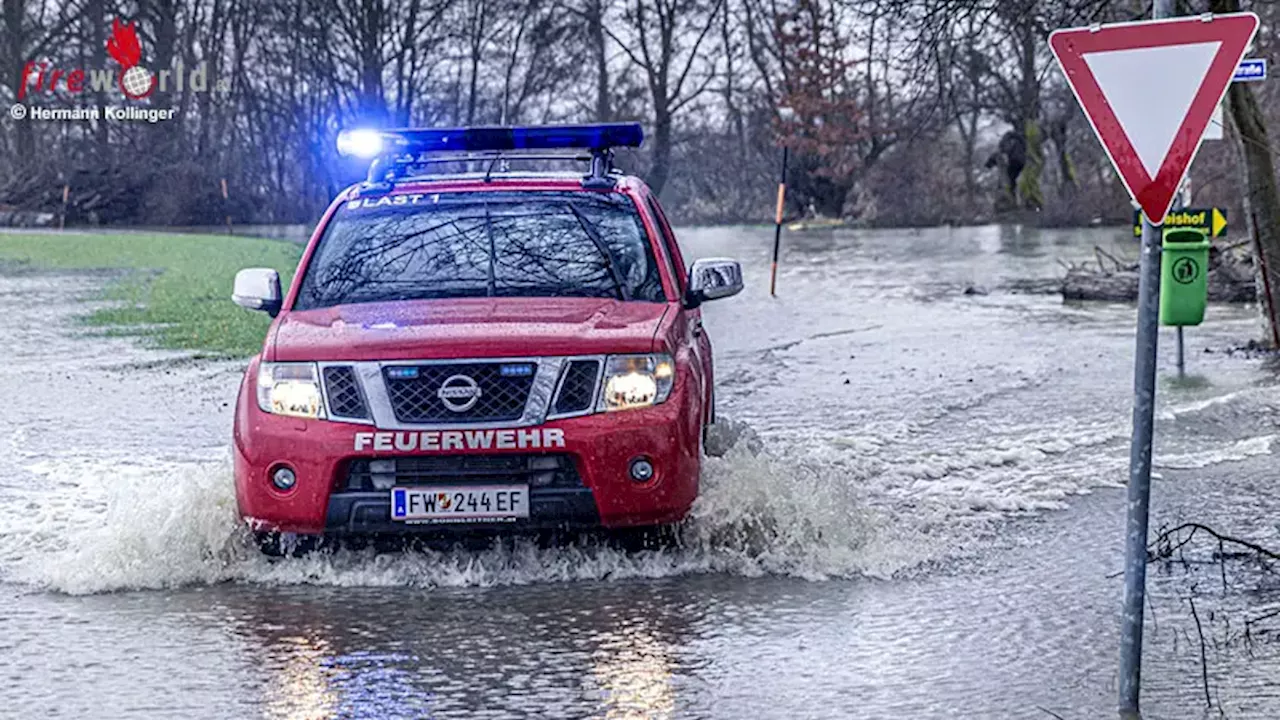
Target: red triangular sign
x=1149, y=89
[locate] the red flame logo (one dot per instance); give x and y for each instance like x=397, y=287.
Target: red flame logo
x=123, y=44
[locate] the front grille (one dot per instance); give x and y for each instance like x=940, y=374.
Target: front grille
x=557, y=470
x=345, y=398
x=503, y=389
x=578, y=388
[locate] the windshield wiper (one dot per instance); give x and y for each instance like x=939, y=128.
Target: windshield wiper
x=610, y=261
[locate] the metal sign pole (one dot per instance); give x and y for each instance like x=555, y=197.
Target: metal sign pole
x=1182, y=358
x=1139, y=499
x=1144, y=397
x=1185, y=197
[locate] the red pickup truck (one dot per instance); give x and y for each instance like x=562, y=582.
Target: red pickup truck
x=485, y=351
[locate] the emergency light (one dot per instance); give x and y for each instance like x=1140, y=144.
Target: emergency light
x=368, y=143
x=361, y=143
x=395, y=153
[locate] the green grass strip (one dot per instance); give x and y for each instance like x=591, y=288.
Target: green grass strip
x=176, y=289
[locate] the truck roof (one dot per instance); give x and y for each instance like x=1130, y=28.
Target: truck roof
x=497, y=181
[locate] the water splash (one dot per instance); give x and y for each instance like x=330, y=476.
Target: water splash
x=169, y=525
x=1201, y=458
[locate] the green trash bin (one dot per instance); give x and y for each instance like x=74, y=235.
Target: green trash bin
x=1184, y=267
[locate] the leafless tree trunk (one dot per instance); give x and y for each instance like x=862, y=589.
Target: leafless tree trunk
x=594, y=19
x=1262, y=198
x=15, y=42
x=667, y=45
x=25, y=35
x=477, y=25
x=95, y=23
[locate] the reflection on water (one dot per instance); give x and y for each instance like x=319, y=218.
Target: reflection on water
x=917, y=517
x=634, y=673
x=408, y=654
x=299, y=683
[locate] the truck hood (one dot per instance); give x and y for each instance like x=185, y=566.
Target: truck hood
x=467, y=328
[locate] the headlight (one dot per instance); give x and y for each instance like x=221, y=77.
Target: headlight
x=634, y=381
x=290, y=389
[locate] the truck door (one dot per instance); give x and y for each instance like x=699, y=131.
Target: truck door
x=700, y=343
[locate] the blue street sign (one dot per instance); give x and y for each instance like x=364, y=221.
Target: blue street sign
x=1251, y=70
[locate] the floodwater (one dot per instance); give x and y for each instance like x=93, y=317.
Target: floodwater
x=919, y=514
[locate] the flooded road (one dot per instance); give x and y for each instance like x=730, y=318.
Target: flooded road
x=919, y=514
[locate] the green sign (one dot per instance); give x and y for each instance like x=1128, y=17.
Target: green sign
x=1211, y=221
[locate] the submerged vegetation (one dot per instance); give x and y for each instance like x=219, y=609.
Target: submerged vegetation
x=172, y=290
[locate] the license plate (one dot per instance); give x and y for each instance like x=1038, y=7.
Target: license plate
x=460, y=504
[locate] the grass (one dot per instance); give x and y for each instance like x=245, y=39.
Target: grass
x=174, y=291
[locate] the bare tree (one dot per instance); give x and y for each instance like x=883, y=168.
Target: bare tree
x=30, y=31
x=666, y=41
x=894, y=100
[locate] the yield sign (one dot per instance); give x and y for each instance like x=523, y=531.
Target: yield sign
x=1149, y=90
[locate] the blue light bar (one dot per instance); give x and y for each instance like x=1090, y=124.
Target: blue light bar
x=361, y=142
x=516, y=370
x=546, y=137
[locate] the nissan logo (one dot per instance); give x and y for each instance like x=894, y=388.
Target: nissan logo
x=459, y=393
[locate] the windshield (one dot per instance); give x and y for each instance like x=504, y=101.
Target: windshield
x=482, y=244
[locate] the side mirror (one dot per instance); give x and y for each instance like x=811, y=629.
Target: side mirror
x=258, y=289
x=712, y=279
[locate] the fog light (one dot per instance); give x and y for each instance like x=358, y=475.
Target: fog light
x=544, y=462
x=641, y=470
x=382, y=473
x=283, y=478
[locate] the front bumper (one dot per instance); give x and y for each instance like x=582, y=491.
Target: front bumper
x=601, y=448
x=369, y=512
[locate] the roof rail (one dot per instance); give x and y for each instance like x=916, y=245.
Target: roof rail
x=395, y=152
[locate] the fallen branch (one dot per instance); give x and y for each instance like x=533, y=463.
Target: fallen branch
x=1263, y=616
x=1230, y=279
x=1167, y=550
x=1204, y=661
x=1169, y=541
x=1099, y=253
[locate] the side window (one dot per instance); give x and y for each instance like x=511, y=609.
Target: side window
x=671, y=250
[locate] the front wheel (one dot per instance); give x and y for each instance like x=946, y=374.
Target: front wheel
x=653, y=537
x=278, y=544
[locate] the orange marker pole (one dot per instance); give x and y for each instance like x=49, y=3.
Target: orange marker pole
x=777, y=226
x=225, y=201
x=66, y=197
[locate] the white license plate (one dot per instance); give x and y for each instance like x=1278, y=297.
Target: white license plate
x=460, y=504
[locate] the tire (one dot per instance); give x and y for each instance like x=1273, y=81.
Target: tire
x=653, y=537
x=276, y=544
x=706, y=425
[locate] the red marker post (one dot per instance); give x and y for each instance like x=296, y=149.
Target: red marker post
x=777, y=225
x=226, y=203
